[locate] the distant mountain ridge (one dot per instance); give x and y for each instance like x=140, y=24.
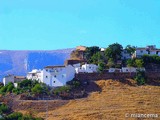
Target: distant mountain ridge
x=19, y=62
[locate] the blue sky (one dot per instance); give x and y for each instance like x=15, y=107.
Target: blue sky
x=56, y=24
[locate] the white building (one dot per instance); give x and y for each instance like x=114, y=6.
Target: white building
x=87, y=68
x=131, y=69
x=35, y=75
x=53, y=76
x=125, y=55
x=78, y=65
x=7, y=79
x=111, y=70
x=125, y=69
x=13, y=79
x=149, y=50
x=102, y=49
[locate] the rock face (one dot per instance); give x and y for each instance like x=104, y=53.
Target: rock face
x=21, y=62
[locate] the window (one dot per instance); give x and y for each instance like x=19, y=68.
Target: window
x=141, y=51
x=54, y=81
x=157, y=52
x=46, y=76
x=47, y=70
x=148, y=52
x=55, y=76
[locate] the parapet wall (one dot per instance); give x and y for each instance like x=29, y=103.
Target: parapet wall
x=153, y=75
x=101, y=76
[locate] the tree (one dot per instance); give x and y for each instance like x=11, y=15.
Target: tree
x=25, y=83
x=101, y=66
x=10, y=87
x=130, y=49
x=140, y=77
x=110, y=63
x=3, y=109
x=139, y=63
x=90, y=51
x=131, y=63
x=114, y=51
x=37, y=89
x=96, y=58
x=151, y=59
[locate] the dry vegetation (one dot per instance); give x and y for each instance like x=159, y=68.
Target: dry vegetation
x=112, y=103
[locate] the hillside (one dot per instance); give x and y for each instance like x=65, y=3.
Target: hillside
x=20, y=62
x=111, y=103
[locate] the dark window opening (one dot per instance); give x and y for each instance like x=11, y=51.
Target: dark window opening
x=157, y=52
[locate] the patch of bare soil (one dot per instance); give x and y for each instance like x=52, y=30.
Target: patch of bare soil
x=114, y=101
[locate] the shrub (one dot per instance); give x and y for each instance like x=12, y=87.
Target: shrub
x=3, y=89
x=62, y=89
x=14, y=116
x=76, y=84
x=4, y=108
x=16, y=91
x=29, y=117
x=101, y=66
x=140, y=77
x=25, y=83
x=37, y=89
x=10, y=87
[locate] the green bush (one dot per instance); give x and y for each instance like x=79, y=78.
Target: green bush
x=25, y=83
x=3, y=89
x=62, y=89
x=16, y=91
x=140, y=77
x=14, y=116
x=10, y=87
x=29, y=117
x=37, y=89
x=4, y=109
x=76, y=84
x=101, y=66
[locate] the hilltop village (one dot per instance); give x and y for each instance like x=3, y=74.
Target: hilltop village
x=107, y=76
x=87, y=60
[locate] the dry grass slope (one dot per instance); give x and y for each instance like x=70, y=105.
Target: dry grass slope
x=115, y=100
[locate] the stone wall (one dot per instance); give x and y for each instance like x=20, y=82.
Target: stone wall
x=101, y=76
x=153, y=75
